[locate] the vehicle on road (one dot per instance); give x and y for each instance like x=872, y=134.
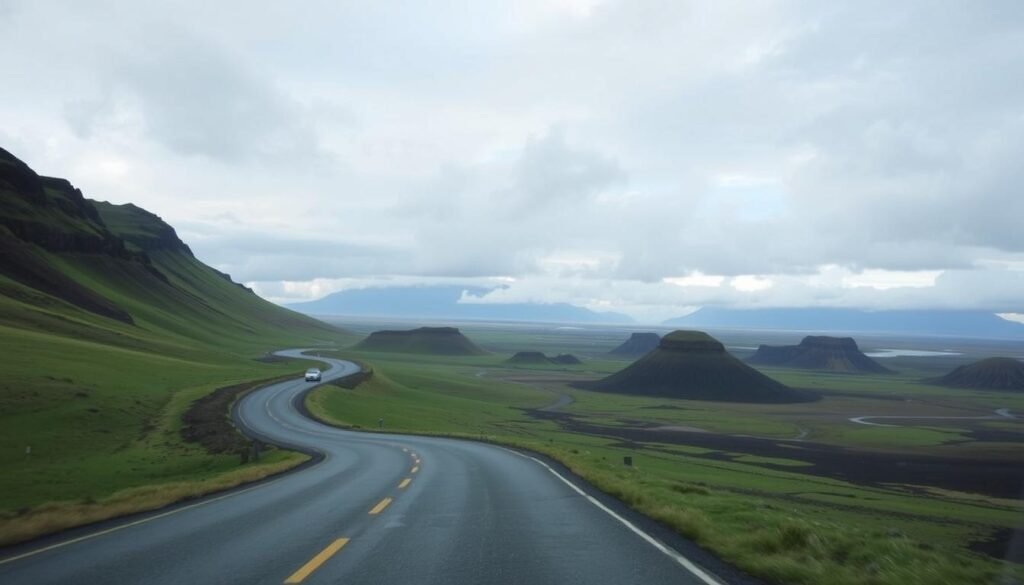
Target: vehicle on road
x=313, y=375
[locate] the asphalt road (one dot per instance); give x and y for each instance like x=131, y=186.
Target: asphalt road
x=377, y=509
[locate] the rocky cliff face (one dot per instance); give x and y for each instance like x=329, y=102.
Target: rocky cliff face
x=834, y=354
x=43, y=218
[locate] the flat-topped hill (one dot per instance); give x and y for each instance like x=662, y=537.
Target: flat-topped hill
x=692, y=365
x=428, y=340
x=818, y=352
x=536, y=357
x=637, y=345
x=998, y=373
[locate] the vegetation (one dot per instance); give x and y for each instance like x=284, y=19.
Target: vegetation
x=778, y=517
x=109, y=329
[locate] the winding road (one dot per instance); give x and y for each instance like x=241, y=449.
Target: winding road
x=376, y=508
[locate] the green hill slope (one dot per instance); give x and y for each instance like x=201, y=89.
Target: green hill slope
x=109, y=328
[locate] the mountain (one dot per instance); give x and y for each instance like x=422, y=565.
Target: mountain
x=692, y=365
x=425, y=340
x=998, y=373
x=442, y=302
x=637, y=345
x=536, y=357
x=815, y=352
x=979, y=324
x=67, y=259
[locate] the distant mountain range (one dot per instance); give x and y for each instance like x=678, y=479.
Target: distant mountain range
x=442, y=302
x=979, y=324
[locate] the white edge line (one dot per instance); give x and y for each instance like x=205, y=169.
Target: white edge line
x=670, y=552
x=137, y=522
x=90, y=536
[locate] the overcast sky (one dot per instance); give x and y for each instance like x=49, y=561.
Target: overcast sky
x=646, y=157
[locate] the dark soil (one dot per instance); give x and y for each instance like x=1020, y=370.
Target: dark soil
x=1003, y=543
x=208, y=420
x=993, y=478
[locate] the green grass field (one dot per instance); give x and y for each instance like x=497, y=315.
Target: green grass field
x=769, y=515
x=108, y=332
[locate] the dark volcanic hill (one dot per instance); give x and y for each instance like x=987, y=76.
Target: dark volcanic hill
x=998, y=373
x=566, y=359
x=637, y=345
x=834, y=354
x=692, y=365
x=528, y=357
x=428, y=340
x=536, y=357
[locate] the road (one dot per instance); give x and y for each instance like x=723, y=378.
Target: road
x=376, y=509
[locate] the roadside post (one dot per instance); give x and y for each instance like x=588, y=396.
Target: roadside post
x=380, y=423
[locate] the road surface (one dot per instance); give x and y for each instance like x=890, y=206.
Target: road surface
x=376, y=509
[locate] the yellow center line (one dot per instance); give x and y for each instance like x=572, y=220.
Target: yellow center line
x=405, y=483
x=415, y=469
x=315, y=562
x=380, y=507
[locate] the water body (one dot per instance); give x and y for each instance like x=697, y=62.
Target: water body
x=891, y=353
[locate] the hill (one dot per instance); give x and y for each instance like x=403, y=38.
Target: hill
x=692, y=365
x=66, y=257
x=976, y=324
x=637, y=345
x=109, y=329
x=536, y=357
x=998, y=373
x=425, y=340
x=834, y=354
x=443, y=302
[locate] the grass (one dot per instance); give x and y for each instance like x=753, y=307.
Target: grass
x=766, y=515
x=99, y=401
x=28, y=523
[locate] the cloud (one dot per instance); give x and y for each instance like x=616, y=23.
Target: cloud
x=649, y=155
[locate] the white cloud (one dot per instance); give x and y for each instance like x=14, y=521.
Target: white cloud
x=644, y=156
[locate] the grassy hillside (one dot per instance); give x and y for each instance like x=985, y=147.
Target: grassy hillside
x=792, y=493
x=109, y=329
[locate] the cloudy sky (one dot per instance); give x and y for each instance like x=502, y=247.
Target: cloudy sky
x=641, y=156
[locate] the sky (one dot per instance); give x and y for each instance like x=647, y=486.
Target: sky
x=646, y=157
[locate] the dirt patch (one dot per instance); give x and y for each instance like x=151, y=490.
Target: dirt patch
x=208, y=420
x=352, y=381
x=1004, y=543
x=1001, y=479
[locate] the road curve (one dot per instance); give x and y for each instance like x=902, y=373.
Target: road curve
x=376, y=509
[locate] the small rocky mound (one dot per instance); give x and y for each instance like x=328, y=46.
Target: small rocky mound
x=536, y=357
x=692, y=365
x=637, y=345
x=566, y=359
x=425, y=340
x=998, y=373
x=833, y=354
x=528, y=357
